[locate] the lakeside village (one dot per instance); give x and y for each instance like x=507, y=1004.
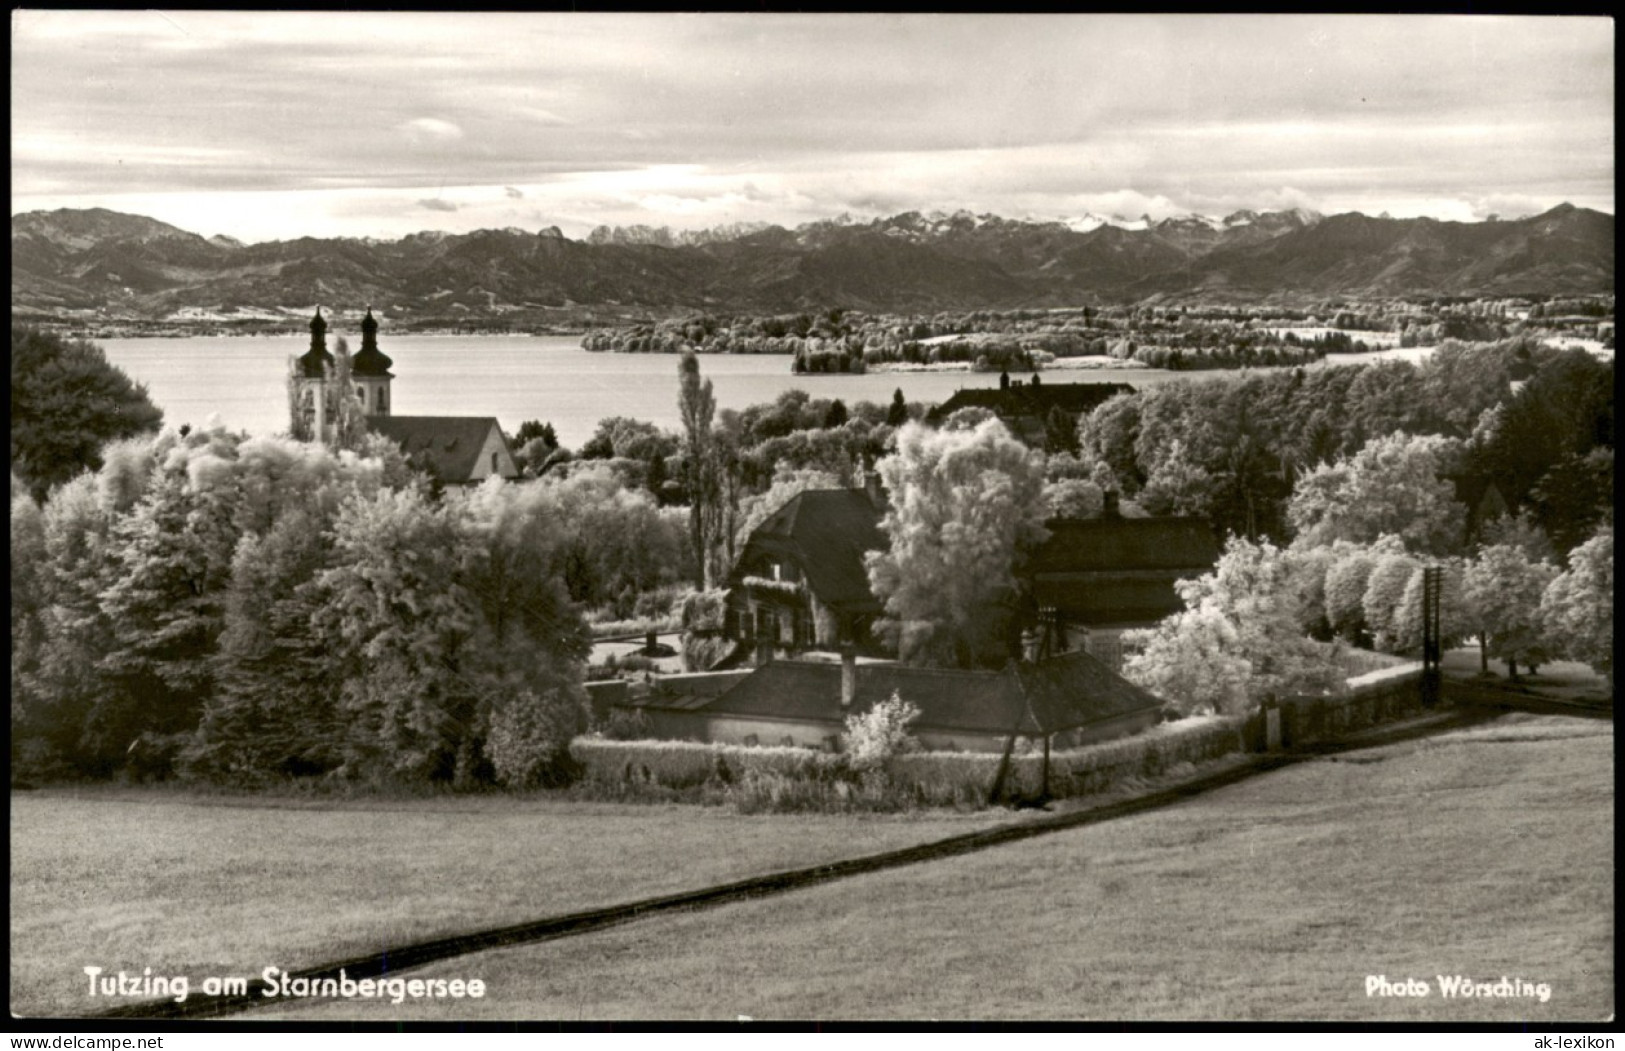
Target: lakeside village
x=1025, y=592
x=1173, y=336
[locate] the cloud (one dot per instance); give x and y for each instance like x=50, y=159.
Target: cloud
x=782, y=118
x=1508, y=206
x=437, y=204
x=431, y=131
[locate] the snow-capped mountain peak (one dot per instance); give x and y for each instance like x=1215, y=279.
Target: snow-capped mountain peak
x=1085, y=222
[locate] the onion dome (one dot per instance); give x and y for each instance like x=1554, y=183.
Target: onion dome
x=314, y=362
x=370, y=361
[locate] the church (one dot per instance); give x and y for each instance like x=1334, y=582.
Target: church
x=458, y=450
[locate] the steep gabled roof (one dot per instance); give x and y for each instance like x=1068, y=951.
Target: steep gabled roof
x=449, y=445
x=825, y=532
x=1119, y=570
x=1065, y=693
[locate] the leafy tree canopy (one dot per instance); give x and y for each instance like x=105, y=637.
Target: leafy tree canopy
x=67, y=402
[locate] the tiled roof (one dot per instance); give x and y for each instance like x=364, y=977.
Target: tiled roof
x=1030, y=400
x=1107, y=601
x=1119, y=570
x=825, y=532
x=449, y=445
x=1079, y=545
x=1064, y=693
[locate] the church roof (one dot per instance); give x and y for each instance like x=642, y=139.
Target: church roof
x=313, y=363
x=448, y=445
x=370, y=361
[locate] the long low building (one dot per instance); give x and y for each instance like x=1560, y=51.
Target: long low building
x=1104, y=576
x=1072, y=699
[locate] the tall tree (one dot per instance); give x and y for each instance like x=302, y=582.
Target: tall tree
x=1237, y=640
x=1454, y=622
x=276, y=712
x=1061, y=432
x=962, y=505
x=66, y=403
x=1384, y=598
x=1392, y=485
x=1073, y=498
x=1577, y=608
x=696, y=406
x=402, y=626
x=897, y=413
x=349, y=417
x=532, y=702
x=172, y=558
x=1179, y=485
x=1575, y=497
x=58, y=685
x=1502, y=589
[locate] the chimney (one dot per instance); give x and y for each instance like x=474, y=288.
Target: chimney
x=1051, y=639
x=1029, y=645
x=1109, y=509
x=849, y=675
x=876, y=491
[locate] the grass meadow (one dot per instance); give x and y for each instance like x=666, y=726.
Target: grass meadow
x=130, y=878
x=1483, y=852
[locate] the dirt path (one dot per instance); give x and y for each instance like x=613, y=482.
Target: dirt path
x=405, y=957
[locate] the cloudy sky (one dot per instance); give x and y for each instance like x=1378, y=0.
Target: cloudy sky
x=265, y=126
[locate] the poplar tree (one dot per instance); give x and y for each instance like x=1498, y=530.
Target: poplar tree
x=696, y=405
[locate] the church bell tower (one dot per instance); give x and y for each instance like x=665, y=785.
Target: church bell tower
x=311, y=373
x=370, y=370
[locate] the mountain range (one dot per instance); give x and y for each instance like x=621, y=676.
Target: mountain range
x=117, y=265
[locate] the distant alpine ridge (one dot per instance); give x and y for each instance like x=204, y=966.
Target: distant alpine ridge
x=118, y=265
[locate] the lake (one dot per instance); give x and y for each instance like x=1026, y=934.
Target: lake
x=550, y=378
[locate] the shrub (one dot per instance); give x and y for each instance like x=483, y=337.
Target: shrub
x=626, y=724
x=627, y=664
x=529, y=739
x=703, y=614
x=873, y=738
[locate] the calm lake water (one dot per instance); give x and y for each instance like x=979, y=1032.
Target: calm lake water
x=550, y=378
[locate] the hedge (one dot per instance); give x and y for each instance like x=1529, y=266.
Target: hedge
x=688, y=764
x=942, y=777
x=799, y=778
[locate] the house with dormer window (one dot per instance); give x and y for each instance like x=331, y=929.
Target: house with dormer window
x=800, y=583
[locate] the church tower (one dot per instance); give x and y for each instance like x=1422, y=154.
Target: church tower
x=370, y=370
x=310, y=378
